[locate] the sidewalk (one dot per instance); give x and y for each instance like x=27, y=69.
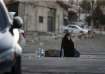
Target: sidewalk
x=99, y=31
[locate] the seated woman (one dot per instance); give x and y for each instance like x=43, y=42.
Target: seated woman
x=68, y=47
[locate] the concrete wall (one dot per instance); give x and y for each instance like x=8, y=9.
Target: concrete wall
x=42, y=11
x=59, y=18
x=103, y=9
x=30, y=12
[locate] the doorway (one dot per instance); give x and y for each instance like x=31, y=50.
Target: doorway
x=51, y=20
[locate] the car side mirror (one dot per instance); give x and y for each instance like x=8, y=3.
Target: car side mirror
x=17, y=23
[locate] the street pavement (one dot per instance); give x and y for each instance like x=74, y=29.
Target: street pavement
x=91, y=61
x=85, y=46
x=86, y=64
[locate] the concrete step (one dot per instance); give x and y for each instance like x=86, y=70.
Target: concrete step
x=86, y=64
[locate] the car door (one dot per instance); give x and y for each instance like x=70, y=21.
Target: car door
x=75, y=29
x=70, y=28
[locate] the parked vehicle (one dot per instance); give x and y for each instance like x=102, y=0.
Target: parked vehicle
x=10, y=50
x=75, y=29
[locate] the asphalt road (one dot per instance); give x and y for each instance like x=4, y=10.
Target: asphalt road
x=86, y=64
x=91, y=61
x=85, y=46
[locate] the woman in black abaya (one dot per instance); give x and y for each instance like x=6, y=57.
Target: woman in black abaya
x=68, y=46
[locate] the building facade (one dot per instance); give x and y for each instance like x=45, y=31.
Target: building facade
x=41, y=16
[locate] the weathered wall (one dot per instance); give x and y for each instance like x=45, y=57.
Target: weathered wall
x=30, y=12
x=59, y=18
x=42, y=11
x=8, y=1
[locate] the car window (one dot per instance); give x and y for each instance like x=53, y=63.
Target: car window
x=3, y=18
x=73, y=27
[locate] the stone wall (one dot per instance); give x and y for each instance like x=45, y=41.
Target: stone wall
x=30, y=13
x=8, y=1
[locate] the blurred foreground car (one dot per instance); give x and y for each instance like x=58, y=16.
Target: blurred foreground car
x=75, y=29
x=10, y=50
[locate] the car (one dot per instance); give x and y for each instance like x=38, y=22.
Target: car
x=10, y=50
x=75, y=29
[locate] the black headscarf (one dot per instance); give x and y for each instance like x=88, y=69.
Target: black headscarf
x=68, y=46
x=66, y=43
